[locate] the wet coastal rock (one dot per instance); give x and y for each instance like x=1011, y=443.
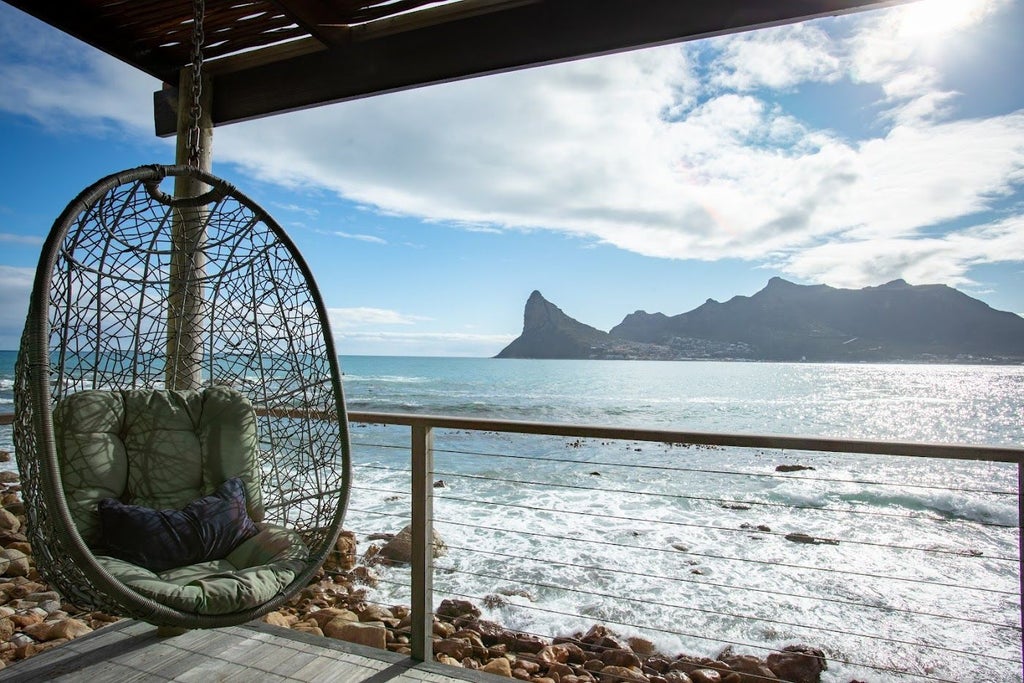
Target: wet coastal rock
x=462, y=638
x=398, y=550
x=33, y=618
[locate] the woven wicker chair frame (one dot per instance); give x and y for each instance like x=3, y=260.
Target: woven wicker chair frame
x=102, y=310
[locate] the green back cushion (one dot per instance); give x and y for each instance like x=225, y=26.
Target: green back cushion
x=87, y=427
x=152, y=448
x=165, y=460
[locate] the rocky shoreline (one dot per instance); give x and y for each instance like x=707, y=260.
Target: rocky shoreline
x=34, y=618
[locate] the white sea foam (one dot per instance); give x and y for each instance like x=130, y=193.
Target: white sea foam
x=385, y=379
x=685, y=566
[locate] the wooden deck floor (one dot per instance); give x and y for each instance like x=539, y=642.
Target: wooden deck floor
x=251, y=653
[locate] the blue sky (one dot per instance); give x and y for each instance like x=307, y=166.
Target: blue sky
x=848, y=151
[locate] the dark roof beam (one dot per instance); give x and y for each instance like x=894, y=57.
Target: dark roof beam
x=519, y=35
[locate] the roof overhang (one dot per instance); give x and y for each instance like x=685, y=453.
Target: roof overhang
x=266, y=58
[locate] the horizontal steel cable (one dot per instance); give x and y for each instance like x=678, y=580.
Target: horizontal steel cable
x=733, y=587
x=738, y=559
x=676, y=496
x=671, y=632
x=383, y=514
x=385, y=468
x=596, y=648
x=373, y=490
x=708, y=638
x=767, y=475
x=692, y=525
x=391, y=446
x=453, y=451
x=766, y=620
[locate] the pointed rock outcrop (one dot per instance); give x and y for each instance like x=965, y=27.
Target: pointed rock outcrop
x=550, y=333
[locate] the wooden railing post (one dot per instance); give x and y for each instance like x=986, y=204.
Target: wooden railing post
x=422, y=543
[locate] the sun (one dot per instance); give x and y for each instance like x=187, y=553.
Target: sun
x=928, y=20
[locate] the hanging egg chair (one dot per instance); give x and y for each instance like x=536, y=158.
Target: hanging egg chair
x=180, y=425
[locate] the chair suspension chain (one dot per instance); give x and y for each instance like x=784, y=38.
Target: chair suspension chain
x=194, y=142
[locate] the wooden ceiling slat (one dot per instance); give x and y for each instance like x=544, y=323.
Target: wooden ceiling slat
x=382, y=11
x=320, y=19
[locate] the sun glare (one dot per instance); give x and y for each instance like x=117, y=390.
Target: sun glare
x=932, y=19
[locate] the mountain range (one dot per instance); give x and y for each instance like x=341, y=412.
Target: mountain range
x=894, y=322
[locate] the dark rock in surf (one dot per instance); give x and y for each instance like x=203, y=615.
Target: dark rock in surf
x=399, y=548
x=453, y=609
x=798, y=664
x=750, y=668
x=810, y=540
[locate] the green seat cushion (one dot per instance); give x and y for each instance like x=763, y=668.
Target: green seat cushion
x=256, y=571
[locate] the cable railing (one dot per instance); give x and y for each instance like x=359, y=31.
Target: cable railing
x=897, y=561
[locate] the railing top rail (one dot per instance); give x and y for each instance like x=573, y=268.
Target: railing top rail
x=1008, y=454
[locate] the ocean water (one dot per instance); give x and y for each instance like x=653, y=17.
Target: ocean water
x=686, y=546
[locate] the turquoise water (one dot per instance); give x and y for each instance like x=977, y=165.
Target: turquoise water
x=933, y=403
x=948, y=403
x=922, y=542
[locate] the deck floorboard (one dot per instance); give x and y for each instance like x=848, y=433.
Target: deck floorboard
x=251, y=653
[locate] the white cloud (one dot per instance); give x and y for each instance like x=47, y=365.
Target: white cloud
x=891, y=49
x=637, y=151
x=58, y=82
x=363, y=331
x=422, y=343
x=361, y=238
x=945, y=259
x=919, y=176
x=32, y=240
x=296, y=208
x=780, y=59
x=346, y=318
x=15, y=287
x=358, y=331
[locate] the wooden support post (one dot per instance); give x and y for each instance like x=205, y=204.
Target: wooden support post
x=422, y=544
x=185, y=299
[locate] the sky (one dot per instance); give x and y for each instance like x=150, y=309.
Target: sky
x=849, y=151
